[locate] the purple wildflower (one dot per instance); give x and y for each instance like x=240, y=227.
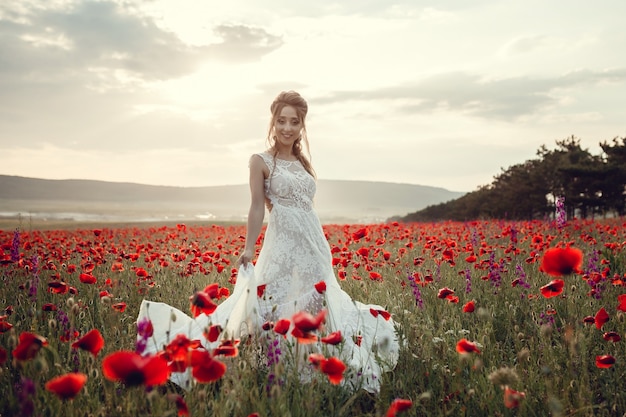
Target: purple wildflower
x=597, y=281
x=15, y=246
x=25, y=389
x=468, y=281
x=546, y=319
x=495, y=268
x=561, y=217
x=143, y=334
x=513, y=235
x=273, y=358
x=416, y=291
x=76, y=360
x=34, y=282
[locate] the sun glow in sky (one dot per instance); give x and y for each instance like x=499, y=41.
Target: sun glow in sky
x=177, y=92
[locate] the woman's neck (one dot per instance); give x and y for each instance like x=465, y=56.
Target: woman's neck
x=284, y=153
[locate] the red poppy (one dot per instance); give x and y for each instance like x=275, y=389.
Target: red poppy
x=464, y=346
x=117, y=267
x=260, y=290
x=28, y=346
x=201, y=302
x=316, y=359
x=384, y=314
x=282, y=326
x=177, y=350
x=205, y=368
x=213, y=333
x=5, y=326
x=469, y=307
x=605, y=361
x=374, y=276
x=133, y=369
x=87, y=278
x=303, y=337
x=320, y=287
x=119, y=307
x=553, y=288
x=445, y=292
x=49, y=307
x=358, y=339
x=452, y=299
x=333, y=339
x=612, y=337
x=226, y=348
x=92, y=342
x=471, y=259
x=306, y=322
x=600, y=318
x=67, y=386
x=621, y=300
x=58, y=287
x=333, y=367
x=512, y=398
x=359, y=234
x=214, y=291
x=561, y=261
x=88, y=267
x=397, y=406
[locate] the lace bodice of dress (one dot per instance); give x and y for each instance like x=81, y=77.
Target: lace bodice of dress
x=288, y=184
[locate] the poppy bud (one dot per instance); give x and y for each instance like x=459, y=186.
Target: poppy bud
x=483, y=313
x=41, y=366
x=545, y=330
x=70, y=302
x=523, y=355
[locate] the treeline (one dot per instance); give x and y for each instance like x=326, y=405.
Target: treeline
x=592, y=185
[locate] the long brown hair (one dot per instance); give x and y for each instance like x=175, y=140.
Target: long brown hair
x=295, y=100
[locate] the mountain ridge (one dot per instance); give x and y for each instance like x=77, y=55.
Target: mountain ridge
x=336, y=200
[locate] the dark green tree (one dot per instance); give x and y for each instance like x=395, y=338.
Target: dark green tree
x=614, y=183
x=590, y=185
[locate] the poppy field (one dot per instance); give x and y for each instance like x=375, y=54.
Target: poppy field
x=495, y=318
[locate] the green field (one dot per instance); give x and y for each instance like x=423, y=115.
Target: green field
x=543, y=351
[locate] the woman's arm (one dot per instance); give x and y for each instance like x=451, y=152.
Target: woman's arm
x=258, y=173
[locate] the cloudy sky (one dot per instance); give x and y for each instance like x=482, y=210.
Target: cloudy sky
x=176, y=92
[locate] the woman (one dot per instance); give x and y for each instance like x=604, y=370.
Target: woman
x=295, y=256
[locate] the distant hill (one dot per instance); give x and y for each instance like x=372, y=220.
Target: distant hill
x=336, y=200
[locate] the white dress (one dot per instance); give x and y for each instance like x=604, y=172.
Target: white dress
x=294, y=257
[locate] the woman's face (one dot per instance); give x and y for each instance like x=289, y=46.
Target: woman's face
x=287, y=127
